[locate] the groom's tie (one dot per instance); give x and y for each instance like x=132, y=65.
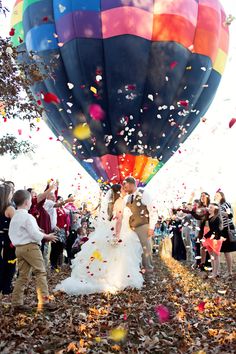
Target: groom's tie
x=132, y=199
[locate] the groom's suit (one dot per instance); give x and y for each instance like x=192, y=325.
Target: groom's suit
x=139, y=222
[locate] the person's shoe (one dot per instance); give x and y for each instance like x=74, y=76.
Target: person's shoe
x=47, y=306
x=21, y=308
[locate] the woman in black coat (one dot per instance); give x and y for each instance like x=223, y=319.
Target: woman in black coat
x=175, y=228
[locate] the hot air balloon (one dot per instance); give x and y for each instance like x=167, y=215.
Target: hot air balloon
x=131, y=79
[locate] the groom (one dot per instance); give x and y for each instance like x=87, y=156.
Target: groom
x=142, y=220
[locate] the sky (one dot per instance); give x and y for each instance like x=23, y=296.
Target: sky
x=207, y=161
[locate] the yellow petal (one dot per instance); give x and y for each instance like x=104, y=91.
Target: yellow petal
x=82, y=131
x=118, y=334
x=93, y=89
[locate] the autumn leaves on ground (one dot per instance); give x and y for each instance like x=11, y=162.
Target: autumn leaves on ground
x=177, y=312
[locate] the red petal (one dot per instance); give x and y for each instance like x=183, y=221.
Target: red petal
x=96, y=112
x=201, y=306
x=232, y=122
x=173, y=64
x=183, y=103
x=50, y=97
x=12, y=32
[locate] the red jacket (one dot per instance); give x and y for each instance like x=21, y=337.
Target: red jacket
x=63, y=221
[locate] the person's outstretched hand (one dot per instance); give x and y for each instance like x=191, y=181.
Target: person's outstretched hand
x=51, y=237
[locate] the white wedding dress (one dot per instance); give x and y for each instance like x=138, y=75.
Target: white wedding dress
x=101, y=266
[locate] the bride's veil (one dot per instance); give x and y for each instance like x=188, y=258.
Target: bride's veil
x=105, y=200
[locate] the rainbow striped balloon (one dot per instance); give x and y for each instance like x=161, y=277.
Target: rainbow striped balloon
x=152, y=67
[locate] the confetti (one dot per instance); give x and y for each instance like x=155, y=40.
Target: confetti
x=82, y=131
x=201, y=306
x=162, y=313
x=173, y=64
x=183, y=103
x=50, y=97
x=62, y=8
x=150, y=97
x=70, y=86
x=13, y=261
x=93, y=89
x=232, y=122
x=12, y=32
x=118, y=334
x=96, y=112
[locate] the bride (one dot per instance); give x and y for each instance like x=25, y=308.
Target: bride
x=110, y=261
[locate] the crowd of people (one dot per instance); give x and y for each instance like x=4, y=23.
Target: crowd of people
x=198, y=231
x=61, y=221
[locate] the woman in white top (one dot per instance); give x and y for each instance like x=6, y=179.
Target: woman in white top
x=110, y=260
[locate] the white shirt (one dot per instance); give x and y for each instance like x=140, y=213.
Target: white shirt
x=24, y=229
x=152, y=209
x=49, y=207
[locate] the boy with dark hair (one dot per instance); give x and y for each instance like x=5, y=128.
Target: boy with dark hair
x=26, y=236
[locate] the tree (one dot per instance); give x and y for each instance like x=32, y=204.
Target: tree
x=16, y=99
x=3, y=9
x=11, y=146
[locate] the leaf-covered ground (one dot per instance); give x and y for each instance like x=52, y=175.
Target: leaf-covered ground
x=202, y=318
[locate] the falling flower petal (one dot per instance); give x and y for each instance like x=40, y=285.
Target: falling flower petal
x=12, y=32
x=183, y=103
x=173, y=64
x=61, y=8
x=93, y=89
x=201, y=306
x=163, y=313
x=50, y=97
x=232, y=122
x=70, y=85
x=96, y=112
x=82, y=131
x=118, y=334
x=97, y=255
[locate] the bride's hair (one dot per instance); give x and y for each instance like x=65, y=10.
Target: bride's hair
x=116, y=189
x=116, y=192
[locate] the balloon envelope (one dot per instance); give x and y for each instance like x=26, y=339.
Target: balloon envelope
x=148, y=68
